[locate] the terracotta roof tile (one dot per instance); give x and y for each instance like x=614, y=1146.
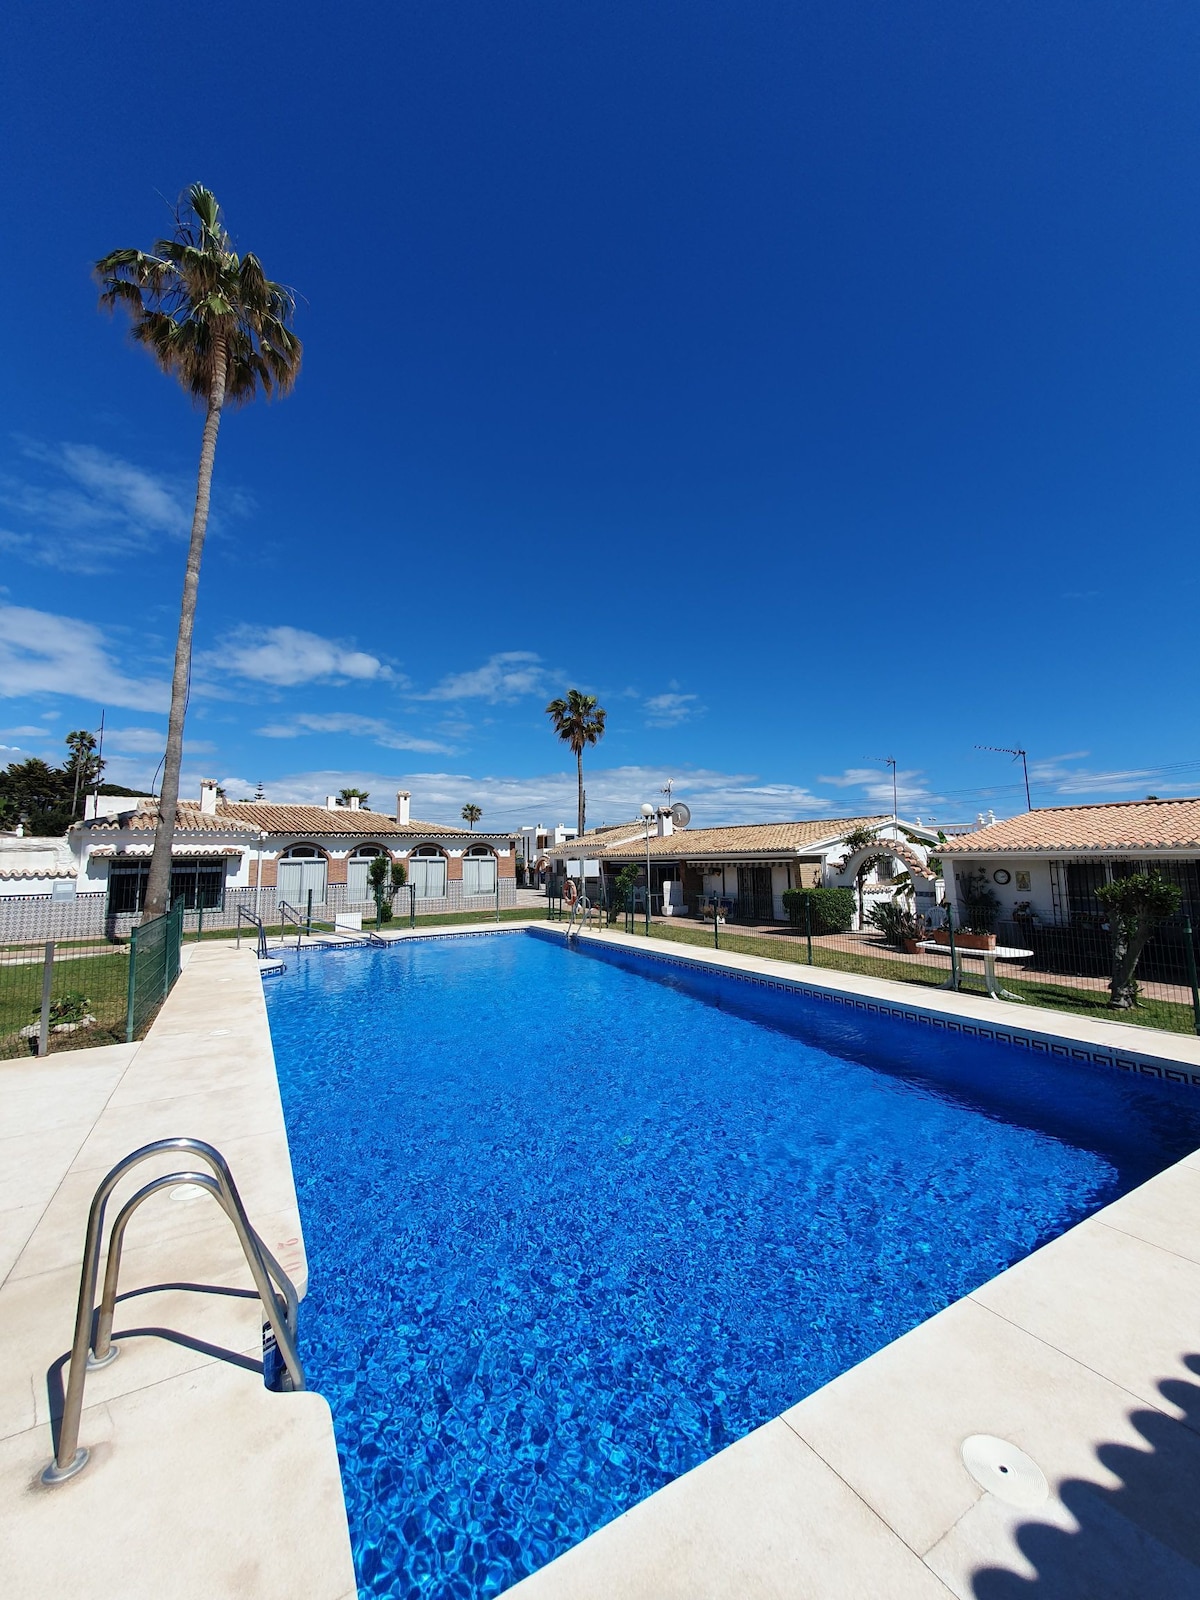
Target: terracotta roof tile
x=1118, y=825
x=751, y=838
x=319, y=819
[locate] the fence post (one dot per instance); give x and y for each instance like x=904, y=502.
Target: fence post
x=1190, y=950
x=131, y=991
x=808, y=926
x=44, y=1018
x=497, y=891
x=200, y=922
x=308, y=917
x=953, y=950
x=716, y=935
x=412, y=905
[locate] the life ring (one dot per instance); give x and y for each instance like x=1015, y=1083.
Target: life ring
x=570, y=892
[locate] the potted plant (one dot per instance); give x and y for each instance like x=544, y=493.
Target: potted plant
x=979, y=910
x=901, y=927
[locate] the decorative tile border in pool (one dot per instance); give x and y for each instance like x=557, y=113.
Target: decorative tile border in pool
x=1048, y=1044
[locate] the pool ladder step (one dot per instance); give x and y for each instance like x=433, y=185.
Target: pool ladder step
x=93, y=1345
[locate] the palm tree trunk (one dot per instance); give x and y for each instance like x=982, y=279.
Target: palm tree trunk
x=579, y=770
x=158, y=887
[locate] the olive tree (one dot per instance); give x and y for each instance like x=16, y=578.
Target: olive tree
x=1136, y=906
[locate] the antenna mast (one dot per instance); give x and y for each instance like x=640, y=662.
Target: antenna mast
x=1008, y=750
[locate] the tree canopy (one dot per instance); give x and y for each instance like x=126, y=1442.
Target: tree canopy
x=46, y=800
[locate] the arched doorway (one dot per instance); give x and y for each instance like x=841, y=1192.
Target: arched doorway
x=301, y=871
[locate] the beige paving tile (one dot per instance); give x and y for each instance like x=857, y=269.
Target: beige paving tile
x=764, y=1520
x=202, y=1487
x=1165, y=1211
x=216, y=1116
x=893, y=1426
x=15, y=1228
x=39, y=1316
x=33, y=1166
x=1127, y=1309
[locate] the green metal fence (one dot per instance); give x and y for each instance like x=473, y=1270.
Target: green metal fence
x=69, y=981
x=153, y=967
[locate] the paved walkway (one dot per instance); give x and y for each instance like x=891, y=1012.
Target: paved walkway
x=202, y=1482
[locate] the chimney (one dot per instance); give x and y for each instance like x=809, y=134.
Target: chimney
x=402, y=799
x=208, y=797
x=666, y=822
x=354, y=801
x=331, y=803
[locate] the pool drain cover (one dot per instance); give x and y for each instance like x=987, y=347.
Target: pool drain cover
x=1005, y=1471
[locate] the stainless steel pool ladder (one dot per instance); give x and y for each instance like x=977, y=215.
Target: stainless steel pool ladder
x=256, y=923
x=583, y=906
x=282, y=1308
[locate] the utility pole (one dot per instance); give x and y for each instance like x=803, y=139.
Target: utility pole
x=1014, y=752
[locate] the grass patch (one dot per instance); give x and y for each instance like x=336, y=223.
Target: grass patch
x=103, y=978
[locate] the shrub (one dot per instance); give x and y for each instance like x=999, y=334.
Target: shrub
x=69, y=1007
x=830, y=910
x=979, y=904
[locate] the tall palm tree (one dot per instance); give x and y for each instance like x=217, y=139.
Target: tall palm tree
x=471, y=815
x=578, y=721
x=215, y=322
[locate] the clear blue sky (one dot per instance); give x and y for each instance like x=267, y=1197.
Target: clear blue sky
x=813, y=382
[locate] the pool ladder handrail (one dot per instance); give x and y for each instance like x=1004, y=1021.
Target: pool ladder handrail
x=243, y=915
x=282, y=1308
x=584, y=906
x=290, y=913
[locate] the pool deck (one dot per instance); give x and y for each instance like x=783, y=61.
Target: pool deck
x=1086, y=1356
x=202, y=1482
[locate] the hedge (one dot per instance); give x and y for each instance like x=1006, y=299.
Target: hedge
x=830, y=910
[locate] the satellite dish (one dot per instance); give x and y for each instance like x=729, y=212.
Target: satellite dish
x=681, y=815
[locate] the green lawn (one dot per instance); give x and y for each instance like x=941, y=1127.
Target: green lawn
x=1165, y=1014
x=103, y=978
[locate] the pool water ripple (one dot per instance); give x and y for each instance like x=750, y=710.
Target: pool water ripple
x=572, y=1229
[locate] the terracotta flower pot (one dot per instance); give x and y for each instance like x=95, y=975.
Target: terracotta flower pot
x=912, y=947
x=975, y=941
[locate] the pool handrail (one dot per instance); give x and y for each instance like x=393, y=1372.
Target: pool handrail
x=282, y=1313
x=255, y=922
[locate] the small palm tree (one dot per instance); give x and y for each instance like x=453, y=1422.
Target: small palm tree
x=578, y=721
x=215, y=322
x=471, y=815
x=361, y=795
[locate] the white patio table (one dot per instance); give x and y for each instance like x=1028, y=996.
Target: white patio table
x=988, y=957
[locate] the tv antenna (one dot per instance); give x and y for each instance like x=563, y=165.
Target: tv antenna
x=889, y=761
x=1008, y=750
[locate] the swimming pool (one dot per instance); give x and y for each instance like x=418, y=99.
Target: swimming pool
x=577, y=1221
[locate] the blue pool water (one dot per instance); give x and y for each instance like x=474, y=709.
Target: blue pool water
x=574, y=1223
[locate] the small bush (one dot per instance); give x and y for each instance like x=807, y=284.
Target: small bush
x=830, y=910
x=69, y=1007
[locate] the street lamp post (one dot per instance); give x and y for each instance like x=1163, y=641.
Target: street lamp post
x=647, y=813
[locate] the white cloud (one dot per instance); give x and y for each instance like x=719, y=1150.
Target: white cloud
x=284, y=657
x=876, y=783
x=505, y=676
x=31, y=732
x=79, y=507
x=614, y=794
x=41, y=653
x=349, y=722
x=669, y=710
